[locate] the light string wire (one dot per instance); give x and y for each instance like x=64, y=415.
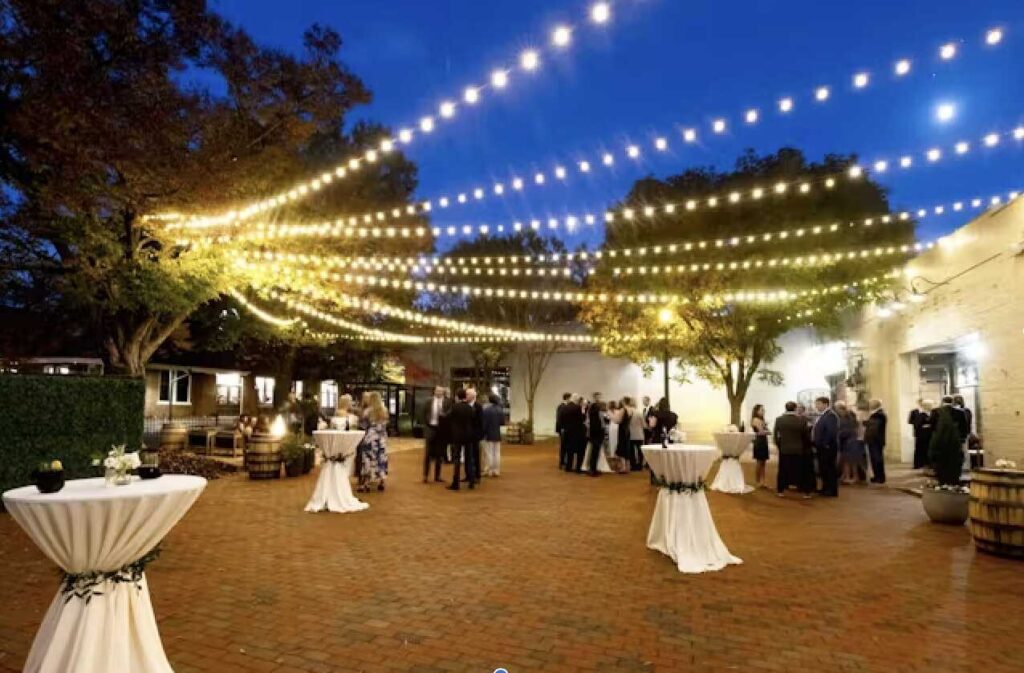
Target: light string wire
x=529, y=60
x=263, y=231
x=632, y=152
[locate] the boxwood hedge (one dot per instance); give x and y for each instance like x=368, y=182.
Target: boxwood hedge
x=68, y=418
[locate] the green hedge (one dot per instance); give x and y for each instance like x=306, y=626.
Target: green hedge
x=68, y=418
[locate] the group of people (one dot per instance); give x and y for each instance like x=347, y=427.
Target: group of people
x=834, y=440
x=925, y=418
x=371, y=417
x=597, y=436
x=455, y=430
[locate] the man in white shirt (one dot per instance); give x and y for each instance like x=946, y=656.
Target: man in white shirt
x=433, y=417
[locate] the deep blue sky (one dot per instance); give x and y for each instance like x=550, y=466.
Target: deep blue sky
x=661, y=64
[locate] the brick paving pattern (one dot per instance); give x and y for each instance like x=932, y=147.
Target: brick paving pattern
x=543, y=571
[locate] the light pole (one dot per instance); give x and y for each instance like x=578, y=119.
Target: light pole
x=665, y=317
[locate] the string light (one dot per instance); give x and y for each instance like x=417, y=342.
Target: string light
x=261, y=314
x=529, y=60
x=902, y=67
x=994, y=37
x=561, y=36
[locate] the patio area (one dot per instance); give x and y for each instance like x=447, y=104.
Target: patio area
x=539, y=570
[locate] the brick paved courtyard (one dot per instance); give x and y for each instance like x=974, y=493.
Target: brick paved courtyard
x=543, y=571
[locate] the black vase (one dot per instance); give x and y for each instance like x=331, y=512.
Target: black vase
x=50, y=481
x=149, y=472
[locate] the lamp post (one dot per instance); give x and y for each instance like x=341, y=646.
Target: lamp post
x=665, y=317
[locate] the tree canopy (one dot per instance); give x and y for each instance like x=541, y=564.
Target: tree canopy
x=726, y=341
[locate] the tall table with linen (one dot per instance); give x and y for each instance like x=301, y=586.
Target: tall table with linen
x=333, y=491
x=101, y=619
x=730, y=475
x=682, y=527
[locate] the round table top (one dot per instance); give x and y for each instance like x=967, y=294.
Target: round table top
x=338, y=432
x=677, y=447
x=96, y=489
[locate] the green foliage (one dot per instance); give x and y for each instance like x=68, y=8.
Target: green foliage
x=731, y=343
x=65, y=418
x=945, y=449
x=293, y=447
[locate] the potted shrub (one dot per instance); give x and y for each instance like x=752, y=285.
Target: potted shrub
x=526, y=432
x=310, y=457
x=946, y=499
x=49, y=477
x=293, y=453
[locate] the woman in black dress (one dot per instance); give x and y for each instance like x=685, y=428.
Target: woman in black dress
x=760, y=428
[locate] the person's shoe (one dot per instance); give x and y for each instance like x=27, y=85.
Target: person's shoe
x=380, y=487
x=472, y=485
x=452, y=487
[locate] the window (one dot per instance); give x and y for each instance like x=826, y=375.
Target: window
x=297, y=388
x=264, y=390
x=329, y=394
x=175, y=386
x=56, y=369
x=229, y=388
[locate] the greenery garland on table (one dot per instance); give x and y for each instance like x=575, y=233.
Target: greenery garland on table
x=85, y=585
x=725, y=457
x=679, y=486
x=339, y=458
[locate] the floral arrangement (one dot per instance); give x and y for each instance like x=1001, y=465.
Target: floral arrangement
x=120, y=461
x=948, y=488
x=52, y=466
x=1004, y=464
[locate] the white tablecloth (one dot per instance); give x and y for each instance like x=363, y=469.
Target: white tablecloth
x=730, y=475
x=333, y=491
x=89, y=526
x=682, y=527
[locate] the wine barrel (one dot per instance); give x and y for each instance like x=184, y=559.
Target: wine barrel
x=173, y=436
x=263, y=457
x=997, y=511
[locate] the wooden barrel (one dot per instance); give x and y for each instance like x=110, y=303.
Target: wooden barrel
x=997, y=511
x=173, y=436
x=263, y=457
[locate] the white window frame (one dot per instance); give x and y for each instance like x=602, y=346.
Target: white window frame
x=329, y=394
x=173, y=376
x=230, y=389
x=265, y=390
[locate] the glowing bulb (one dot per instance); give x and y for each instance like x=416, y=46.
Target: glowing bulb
x=608, y=159
x=822, y=93
x=690, y=135
x=786, y=104
x=962, y=147
x=934, y=154
x=665, y=316
x=661, y=144
x=1018, y=133
x=881, y=166
x=992, y=139
x=994, y=37
x=600, y=12
x=906, y=162
x=719, y=126
x=860, y=80
x=529, y=60
x=471, y=95
x=751, y=116
x=427, y=124
x=584, y=166
x=902, y=67
x=945, y=112
x=561, y=36
x=633, y=151
x=447, y=109
x=947, y=51
x=499, y=79
x=405, y=135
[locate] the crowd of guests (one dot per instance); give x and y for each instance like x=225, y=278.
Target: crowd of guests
x=456, y=430
x=597, y=436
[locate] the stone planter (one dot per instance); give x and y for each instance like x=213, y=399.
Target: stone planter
x=945, y=506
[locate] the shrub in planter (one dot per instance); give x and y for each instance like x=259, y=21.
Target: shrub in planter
x=293, y=453
x=946, y=448
x=310, y=458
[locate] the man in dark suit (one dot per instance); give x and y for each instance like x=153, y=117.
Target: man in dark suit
x=596, y=432
x=825, y=437
x=959, y=416
x=575, y=428
x=462, y=427
x=433, y=416
x=874, y=439
x=478, y=436
x=793, y=439
x=564, y=457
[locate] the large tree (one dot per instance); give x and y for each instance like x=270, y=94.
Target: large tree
x=111, y=110
x=726, y=341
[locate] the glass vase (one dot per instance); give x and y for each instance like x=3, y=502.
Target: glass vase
x=117, y=477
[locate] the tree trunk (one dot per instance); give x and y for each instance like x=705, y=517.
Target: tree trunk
x=130, y=343
x=735, y=406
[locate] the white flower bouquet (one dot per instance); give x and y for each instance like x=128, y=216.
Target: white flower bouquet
x=119, y=464
x=1004, y=464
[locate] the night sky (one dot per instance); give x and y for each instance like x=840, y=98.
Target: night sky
x=659, y=66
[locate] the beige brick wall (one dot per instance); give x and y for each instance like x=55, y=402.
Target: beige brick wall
x=978, y=306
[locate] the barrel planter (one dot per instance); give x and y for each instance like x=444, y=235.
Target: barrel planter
x=997, y=511
x=263, y=457
x=173, y=436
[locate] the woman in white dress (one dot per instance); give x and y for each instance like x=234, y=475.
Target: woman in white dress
x=343, y=418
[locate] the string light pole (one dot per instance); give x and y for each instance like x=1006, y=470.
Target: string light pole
x=665, y=316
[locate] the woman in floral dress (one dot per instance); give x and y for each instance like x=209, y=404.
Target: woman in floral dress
x=374, y=448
